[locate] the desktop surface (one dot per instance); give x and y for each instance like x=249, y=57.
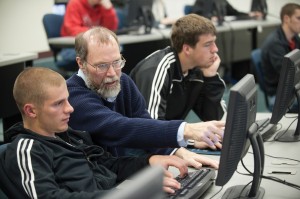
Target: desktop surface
x=281, y=161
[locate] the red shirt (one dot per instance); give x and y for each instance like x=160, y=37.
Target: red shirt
x=80, y=16
x=292, y=44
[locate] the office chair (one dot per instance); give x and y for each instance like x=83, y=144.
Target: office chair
x=52, y=25
x=187, y=9
x=6, y=184
x=256, y=60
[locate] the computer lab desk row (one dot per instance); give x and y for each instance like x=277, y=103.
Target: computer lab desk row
x=235, y=41
x=164, y=33
x=275, y=154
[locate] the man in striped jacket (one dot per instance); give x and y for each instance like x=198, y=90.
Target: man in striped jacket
x=184, y=77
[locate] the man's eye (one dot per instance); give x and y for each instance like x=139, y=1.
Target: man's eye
x=102, y=65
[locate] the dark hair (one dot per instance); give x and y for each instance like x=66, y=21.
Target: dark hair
x=187, y=30
x=288, y=9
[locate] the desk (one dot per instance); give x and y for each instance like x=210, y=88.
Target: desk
x=236, y=39
x=273, y=190
x=159, y=34
x=11, y=64
x=69, y=42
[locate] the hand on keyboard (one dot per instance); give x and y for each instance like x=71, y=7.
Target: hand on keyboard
x=194, y=184
x=196, y=160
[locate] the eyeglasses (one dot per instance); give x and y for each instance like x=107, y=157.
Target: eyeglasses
x=103, y=67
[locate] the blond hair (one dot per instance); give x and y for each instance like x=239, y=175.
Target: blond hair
x=30, y=85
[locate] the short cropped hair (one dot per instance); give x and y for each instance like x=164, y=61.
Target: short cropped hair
x=102, y=34
x=29, y=86
x=288, y=9
x=187, y=29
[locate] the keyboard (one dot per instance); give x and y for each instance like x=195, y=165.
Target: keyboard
x=195, y=184
x=205, y=151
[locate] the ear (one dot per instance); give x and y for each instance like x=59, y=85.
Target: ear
x=286, y=18
x=29, y=110
x=80, y=63
x=186, y=49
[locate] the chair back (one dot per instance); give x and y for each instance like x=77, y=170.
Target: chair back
x=52, y=25
x=256, y=60
x=187, y=9
x=6, y=184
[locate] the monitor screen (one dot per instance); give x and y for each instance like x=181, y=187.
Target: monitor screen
x=287, y=91
x=241, y=130
x=139, y=14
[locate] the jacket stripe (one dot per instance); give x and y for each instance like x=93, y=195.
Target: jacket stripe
x=25, y=166
x=158, y=82
x=222, y=102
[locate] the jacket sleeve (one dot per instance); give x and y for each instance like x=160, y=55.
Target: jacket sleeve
x=210, y=104
x=130, y=127
x=124, y=166
x=30, y=165
x=109, y=18
x=230, y=10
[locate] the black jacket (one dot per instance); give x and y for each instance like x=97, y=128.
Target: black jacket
x=67, y=166
x=171, y=95
x=274, y=48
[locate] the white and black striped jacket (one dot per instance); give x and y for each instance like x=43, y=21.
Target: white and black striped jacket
x=171, y=95
x=67, y=166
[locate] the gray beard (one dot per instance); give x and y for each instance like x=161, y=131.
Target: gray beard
x=104, y=92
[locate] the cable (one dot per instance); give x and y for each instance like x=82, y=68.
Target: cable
x=282, y=158
x=275, y=179
x=216, y=193
x=286, y=130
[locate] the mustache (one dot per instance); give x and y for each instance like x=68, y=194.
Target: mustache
x=110, y=79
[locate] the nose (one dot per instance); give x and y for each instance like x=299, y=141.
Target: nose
x=214, y=48
x=111, y=71
x=69, y=108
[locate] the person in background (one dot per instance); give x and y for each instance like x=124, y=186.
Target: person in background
x=81, y=15
x=183, y=77
x=47, y=159
x=278, y=43
x=160, y=14
x=108, y=105
x=206, y=8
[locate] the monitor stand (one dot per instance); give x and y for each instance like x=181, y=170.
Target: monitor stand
x=254, y=191
x=291, y=135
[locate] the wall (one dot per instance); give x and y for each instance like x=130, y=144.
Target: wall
x=22, y=29
x=21, y=25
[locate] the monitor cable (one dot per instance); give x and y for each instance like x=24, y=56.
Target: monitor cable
x=269, y=177
x=286, y=130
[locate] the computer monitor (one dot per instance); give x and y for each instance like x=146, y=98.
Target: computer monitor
x=261, y=6
x=140, y=14
x=288, y=88
x=210, y=8
x=220, y=8
x=147, y=183
x=241, y=131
